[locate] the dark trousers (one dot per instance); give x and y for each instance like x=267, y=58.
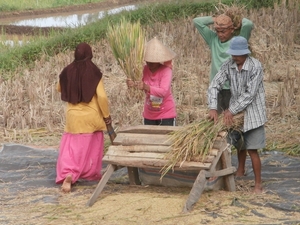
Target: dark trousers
x=162, y=122
x=223, y=100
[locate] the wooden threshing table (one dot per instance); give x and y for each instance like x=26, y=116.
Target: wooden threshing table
x=144, y=146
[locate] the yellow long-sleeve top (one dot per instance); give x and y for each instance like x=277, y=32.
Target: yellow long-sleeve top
x=87, y=117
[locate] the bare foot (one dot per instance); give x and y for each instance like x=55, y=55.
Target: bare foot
x=258, y=189
x=240, y=173
x=66, y=186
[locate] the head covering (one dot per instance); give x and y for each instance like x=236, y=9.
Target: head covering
x=79, y=80
x=223, y=22
x=156, y=52
x=238, y=46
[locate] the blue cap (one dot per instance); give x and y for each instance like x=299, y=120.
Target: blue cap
x=238, y=46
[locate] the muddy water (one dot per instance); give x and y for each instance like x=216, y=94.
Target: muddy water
x=63, y=20
x=71, y=21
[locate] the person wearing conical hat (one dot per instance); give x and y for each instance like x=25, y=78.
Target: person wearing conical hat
x=159, y=105
x=245, y=75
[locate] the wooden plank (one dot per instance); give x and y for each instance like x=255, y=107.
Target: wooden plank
x=150, y=129
x=214, y=152
x=209, y=159
x=143, y=155
x=226, y=162
x=220, y=173
x=153, y=163
x=129, y=155
x=142, y=139
x=195, y=193
x=133, y=175
x=140, y=148
x=219, y=144
x=109, y=170
x=120, y=150
x=217, y=158
x=184, y=167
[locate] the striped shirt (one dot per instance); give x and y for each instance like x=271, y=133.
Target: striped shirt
x=247, y=91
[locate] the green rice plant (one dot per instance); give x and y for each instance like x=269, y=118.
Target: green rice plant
x=127, y=41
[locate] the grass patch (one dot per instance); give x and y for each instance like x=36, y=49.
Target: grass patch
x=6, y=5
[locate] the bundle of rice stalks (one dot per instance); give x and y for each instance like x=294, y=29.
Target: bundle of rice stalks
x=235, y=12
x=127, y=42
x=194, y=141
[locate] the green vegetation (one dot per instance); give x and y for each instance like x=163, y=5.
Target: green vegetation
x=15, y=5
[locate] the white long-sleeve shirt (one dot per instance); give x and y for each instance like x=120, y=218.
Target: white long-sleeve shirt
x=247, y=91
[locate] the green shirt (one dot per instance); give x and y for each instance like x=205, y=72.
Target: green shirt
x=218, y=49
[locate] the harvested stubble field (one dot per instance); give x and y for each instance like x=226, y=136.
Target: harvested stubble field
x=33, y=114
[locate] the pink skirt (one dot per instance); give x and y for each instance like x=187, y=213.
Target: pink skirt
x=80, y=155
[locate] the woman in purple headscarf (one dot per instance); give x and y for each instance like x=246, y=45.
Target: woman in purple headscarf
x=87, y=113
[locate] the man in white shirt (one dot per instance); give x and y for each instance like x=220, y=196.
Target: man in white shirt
x=245, y=75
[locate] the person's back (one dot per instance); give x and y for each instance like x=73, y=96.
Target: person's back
x=88, y=117
x=87, y=114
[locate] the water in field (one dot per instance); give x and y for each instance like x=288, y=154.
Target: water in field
x=63, y=20
x=70, y=21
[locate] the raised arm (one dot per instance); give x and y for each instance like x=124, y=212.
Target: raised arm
x=202, y=23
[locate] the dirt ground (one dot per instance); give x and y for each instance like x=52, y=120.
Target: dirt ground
x=30, y=196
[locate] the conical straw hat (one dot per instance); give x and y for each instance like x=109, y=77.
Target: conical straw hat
x=156, y=52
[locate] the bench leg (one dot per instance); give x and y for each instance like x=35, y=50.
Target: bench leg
x=109, y=170
x=133, y=175
x=226, y=163
x=197, y=189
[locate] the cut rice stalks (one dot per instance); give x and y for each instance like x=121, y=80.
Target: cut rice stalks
x=127, y=41
x=194, y=141
x=234, y=11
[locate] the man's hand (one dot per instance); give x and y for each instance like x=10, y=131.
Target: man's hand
x=213, y=115
x=228, y=118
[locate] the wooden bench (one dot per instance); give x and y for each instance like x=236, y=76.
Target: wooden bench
x=145, y=146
